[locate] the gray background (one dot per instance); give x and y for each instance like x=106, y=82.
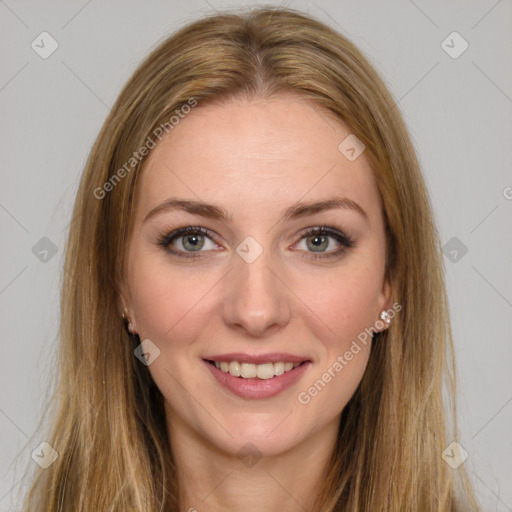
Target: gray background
x=458, y=111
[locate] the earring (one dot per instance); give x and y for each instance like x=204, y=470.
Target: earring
x=385, y=316
x=127, y=322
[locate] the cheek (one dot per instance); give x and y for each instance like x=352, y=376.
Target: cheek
x=340, y=315
x=163, y=296
x=344, y=304
x=172, y=301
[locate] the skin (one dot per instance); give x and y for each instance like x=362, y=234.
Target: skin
x=254, y=158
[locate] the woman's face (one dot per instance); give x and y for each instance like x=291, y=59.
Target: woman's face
x=255, y=285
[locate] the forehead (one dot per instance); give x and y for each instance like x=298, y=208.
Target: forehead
x=254, y=155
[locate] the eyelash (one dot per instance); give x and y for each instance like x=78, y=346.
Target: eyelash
x=343, y=239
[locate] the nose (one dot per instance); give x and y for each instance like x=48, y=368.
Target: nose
x=256, y=301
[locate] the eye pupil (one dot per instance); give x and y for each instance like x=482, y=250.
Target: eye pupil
x=318, y=241
x=196, y=241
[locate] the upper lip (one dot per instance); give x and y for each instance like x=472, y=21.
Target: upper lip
x=274, y=357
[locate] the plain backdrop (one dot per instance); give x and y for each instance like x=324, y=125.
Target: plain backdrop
x=457, y=106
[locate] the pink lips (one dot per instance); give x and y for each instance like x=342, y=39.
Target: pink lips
x=257, y=388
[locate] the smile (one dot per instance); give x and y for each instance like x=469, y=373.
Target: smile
x=249, y=371
x=256, y=381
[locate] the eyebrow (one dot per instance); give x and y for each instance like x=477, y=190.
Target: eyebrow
x=296, y=211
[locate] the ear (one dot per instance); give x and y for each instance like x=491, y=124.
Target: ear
x=123, y=304
x=385, y=301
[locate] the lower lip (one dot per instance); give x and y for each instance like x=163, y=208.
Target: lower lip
x=258, y=388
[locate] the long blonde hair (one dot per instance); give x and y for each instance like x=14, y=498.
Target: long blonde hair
x=109, y=426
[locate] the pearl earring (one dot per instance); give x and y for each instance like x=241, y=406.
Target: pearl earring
x=385, y=316
x=127, y=321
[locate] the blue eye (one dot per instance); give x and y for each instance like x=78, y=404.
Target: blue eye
x=186, y=241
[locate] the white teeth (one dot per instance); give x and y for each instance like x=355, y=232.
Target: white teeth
x=265, y=371
x=235, y=368
x=249, y=371
x=278, y=368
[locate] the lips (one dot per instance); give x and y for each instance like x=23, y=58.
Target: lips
x=257, y=388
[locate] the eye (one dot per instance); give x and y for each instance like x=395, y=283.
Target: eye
x=316, y=242
x=190, y=239
x=320, y=239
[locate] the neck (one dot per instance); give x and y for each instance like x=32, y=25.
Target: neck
x=215, y=480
